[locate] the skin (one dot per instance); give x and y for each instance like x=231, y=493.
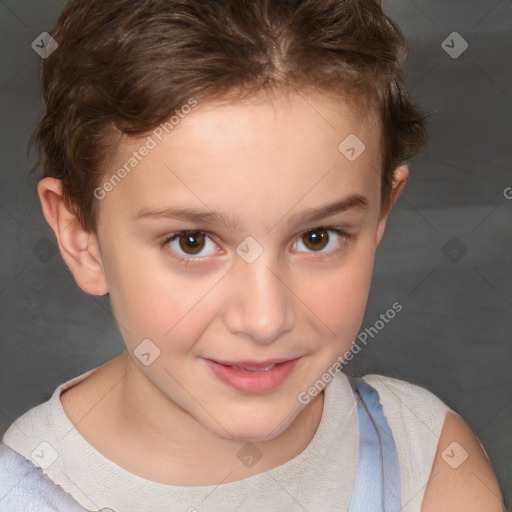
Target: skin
x=260, y=162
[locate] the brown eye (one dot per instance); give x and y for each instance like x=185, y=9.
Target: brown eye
x=323, y=242
x=316, y=240
x=185, y=244
x=191, y=242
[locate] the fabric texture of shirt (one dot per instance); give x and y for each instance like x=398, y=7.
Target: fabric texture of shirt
x=320, y=478
x=24, y=487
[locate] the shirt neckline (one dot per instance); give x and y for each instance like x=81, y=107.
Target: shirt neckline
x=339, y=409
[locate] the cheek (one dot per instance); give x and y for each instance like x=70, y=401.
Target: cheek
x=165, y=305
x=338, y=297
x=148, y=303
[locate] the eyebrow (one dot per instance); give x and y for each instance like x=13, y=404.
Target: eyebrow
x=353, y=201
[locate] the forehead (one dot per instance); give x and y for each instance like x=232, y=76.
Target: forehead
x=262, y=151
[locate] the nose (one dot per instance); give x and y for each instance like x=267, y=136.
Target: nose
x=261, y=306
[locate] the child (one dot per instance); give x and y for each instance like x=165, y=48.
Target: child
x=225, y=171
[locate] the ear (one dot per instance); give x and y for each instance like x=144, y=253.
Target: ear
x=78, y=247
x=400, y=177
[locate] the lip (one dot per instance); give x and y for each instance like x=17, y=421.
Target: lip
x=256, y=364
x=253, y=381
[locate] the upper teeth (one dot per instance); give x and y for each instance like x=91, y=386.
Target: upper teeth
x=253, y=368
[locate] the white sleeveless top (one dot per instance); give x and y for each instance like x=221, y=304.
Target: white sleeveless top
x=321, y=478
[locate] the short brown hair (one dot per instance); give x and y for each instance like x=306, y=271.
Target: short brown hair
x=124, y=66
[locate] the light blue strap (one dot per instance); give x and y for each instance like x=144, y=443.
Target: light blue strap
x=377, y=485
x=24, y=487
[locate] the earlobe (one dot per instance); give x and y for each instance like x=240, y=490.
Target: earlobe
x=78, y=247
x=400, y=178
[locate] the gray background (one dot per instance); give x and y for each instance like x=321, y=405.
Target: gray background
x=446, y=254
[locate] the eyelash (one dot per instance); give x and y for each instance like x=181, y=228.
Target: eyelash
x=345, y=238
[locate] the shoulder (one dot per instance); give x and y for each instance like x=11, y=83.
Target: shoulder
x=403, y=391
x=412, y=409
x=24, y=486
x=415, y=416
x=462, y=477
x=432, y=442
x=26, y=432
x=45, y=421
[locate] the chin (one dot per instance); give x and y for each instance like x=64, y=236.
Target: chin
x=250, y=434
x=249, y=428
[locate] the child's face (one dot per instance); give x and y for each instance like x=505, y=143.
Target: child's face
x=259, y=165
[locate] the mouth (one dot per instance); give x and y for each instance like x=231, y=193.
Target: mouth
x=253, y=365
x=253, y=376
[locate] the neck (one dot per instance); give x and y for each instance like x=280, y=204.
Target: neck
x=168, y=445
